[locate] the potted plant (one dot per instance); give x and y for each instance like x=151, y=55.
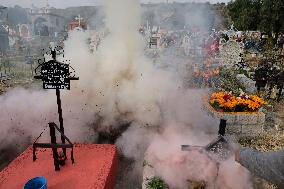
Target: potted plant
x=242, y=111
x=228, y=102
x=156, y=183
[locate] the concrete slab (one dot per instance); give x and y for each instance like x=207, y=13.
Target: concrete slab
x=95, y=168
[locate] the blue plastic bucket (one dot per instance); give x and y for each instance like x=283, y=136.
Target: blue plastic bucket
x=36, y=183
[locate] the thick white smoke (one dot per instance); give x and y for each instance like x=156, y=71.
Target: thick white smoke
x=123, y=84
x=119, y=85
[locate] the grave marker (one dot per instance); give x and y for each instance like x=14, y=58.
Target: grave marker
x=55, y=75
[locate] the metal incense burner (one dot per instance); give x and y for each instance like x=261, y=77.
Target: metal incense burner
x=219, y=147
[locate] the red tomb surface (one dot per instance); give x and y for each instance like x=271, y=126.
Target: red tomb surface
x=95, y=168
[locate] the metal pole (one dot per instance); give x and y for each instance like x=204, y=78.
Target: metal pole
x=60, y=119
x=54, y=150
x=53, y=53
x=222, y=127
x=34, y=152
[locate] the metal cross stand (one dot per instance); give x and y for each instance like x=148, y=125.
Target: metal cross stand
x=55, y=75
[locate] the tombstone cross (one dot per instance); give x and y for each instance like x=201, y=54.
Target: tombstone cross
x=79, y=19
x=56, y=75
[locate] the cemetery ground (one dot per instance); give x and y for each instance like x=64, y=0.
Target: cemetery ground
x=18, y=74
x=14, y=72
x=272, y=137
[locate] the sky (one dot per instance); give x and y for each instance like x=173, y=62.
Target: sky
x=73, y=3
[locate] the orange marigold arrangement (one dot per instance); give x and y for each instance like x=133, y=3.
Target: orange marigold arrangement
x=228, y=102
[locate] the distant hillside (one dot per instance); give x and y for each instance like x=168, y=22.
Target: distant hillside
x=169, y=16
x=180, y=15
x=15, y=15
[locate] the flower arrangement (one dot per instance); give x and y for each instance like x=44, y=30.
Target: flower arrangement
x=228, y=102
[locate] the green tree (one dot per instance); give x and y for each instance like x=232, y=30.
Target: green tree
x=272, y=16
x=264, y=15
x=244, y=13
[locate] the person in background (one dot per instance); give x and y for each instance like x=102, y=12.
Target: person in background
x=266, y=165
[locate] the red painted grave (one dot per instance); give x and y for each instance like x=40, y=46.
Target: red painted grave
x=94, y=168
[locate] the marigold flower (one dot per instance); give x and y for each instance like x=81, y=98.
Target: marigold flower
x=228, y=102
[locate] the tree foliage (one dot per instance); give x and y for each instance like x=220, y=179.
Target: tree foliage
x=264, y=15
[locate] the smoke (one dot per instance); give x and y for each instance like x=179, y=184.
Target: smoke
x=119, y=82
x=232, y=175
x=175, y=166
x=179, y=168
x=21, y=112
x=178, y=16
x=118, y=85
x=201, y=17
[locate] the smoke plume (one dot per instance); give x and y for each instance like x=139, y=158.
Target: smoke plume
x=118, y=85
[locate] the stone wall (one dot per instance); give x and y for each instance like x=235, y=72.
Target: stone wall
x=244, y=124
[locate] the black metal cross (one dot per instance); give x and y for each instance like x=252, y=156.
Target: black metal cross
x=56, y=75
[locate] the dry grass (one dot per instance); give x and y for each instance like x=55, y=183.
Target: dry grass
x=268, y=141
x=253, y=61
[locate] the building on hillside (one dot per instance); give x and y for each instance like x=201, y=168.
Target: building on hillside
x=46, y=21
x=77, y=23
